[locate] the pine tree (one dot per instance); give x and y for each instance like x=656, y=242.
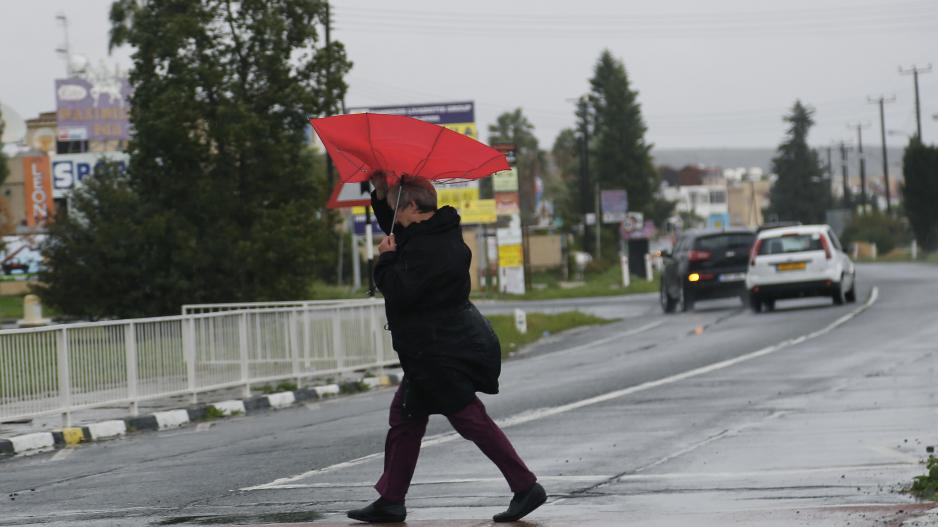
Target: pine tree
x=619, y=157
x=801, y=193
x=228, y=200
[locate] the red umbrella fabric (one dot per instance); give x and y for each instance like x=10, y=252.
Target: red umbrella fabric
x=362, y=143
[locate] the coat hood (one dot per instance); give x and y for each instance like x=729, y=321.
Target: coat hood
x=445, y=219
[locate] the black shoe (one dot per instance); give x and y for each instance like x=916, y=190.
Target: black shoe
x=381, y=511
x=522, y=504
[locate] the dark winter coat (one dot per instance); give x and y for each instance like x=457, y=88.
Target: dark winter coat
x=448, y=350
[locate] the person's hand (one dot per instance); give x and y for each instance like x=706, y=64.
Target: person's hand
x=380, y=183
x=387, y=244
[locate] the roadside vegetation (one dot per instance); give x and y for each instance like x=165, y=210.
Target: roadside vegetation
x=551, y=286
x=539, y=325
x=926, y=487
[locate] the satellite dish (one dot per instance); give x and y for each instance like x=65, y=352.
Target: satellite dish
x=14, y=129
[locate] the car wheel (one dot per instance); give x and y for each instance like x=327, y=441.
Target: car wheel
x=755, y=303
x=686, y=301
x=769, y=304
x=838, y=294
x=851, y=295
x=667, y=303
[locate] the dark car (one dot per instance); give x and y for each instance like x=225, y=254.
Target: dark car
x=706, y=264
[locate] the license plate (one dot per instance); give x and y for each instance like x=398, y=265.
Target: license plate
x=732, y=277
x=791, y=266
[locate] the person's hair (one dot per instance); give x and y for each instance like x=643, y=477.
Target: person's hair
x=416, y=189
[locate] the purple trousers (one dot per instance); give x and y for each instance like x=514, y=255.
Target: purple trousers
x=402, y=447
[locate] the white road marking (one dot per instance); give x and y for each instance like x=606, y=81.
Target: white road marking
x=62, y=454
x=542, y=413
x=452, y=481
x=202, y=427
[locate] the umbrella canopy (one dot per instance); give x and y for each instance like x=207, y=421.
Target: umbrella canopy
x=362, y=143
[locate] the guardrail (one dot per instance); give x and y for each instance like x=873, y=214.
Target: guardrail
x=194, y=309
x=61, y=369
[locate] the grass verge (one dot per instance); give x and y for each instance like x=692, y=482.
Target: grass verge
x=539, y=325
x=926, y=487
x=549, y=286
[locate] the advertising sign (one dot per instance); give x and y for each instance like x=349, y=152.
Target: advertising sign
x=718, y=220
x=510, y=255
x=70, y=170
x=505, y=181
x=20, y=256
x=37, y=186
x=457, y=116
x=95, y=110
x=615, y=205
x=507, y=203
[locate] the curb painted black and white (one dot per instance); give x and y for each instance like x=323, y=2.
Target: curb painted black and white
x=45, y=441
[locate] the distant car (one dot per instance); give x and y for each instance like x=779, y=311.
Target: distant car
x=705, y=264
x=796, y=262
x=13, y=266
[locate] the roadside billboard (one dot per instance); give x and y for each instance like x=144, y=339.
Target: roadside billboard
x=457, y=116
x=37, y=190
x=93, y=110
x=70, y=170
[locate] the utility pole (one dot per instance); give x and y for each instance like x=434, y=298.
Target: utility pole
x=584, y=167
x=914, y=71
x=860, y=127
x=881, y=100
x=843, y=169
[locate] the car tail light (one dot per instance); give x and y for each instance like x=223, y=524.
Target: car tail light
x=755, y=251
x=827, y=248
x=698, y=256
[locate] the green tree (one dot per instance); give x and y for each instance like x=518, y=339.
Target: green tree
x=619, y=156
x=515, y=128
x=920, y=192
x=566, y=185
x=801, y=192
x=228, y=198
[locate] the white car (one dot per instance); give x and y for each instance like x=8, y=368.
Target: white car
x=796, y=262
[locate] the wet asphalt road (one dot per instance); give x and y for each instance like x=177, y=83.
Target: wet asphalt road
x=654, y=420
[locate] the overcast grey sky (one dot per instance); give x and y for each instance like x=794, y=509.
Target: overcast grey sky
x=709, y=73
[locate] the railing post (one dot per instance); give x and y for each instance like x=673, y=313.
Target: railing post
x=338, y=344
x=243, y=354
x=65, y=381
x=188, y=350
x=130, y=345
x=295, y=346
x=377, y=338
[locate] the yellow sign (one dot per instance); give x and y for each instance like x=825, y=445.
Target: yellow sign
x=478, y=211
x=455, y=197
x=510, y=256
x=464, y=129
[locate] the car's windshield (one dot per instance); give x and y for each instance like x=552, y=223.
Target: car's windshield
x=791, y=243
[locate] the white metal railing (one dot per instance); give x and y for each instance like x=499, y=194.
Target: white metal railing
x=64, y=368
x=193, y=309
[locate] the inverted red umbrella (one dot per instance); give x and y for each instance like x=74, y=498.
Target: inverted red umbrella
x=362, y=143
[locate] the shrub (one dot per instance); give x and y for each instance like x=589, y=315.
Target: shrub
x=885, y=231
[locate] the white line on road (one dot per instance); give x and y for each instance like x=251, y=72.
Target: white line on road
x=450, y=481
x=62, y=454
x=542, y=413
